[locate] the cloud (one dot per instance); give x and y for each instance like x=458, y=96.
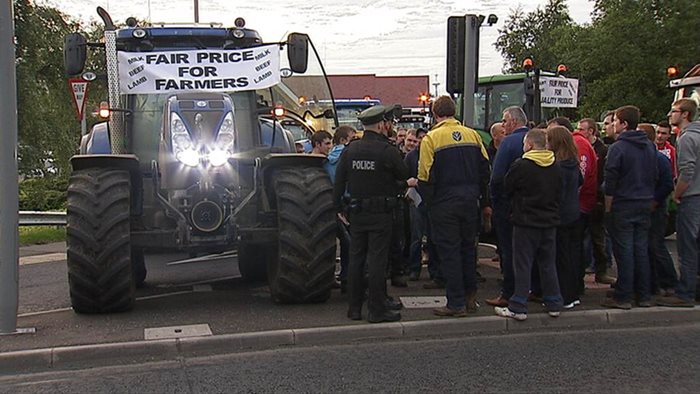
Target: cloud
x=385, y=37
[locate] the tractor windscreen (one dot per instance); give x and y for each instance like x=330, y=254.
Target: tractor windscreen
x=207, y=66
x=304, y=97
x=491, y=100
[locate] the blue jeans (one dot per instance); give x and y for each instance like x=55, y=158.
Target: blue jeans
x=663, y=273
x=532, y=245
x=687, y=229
x=629, y=230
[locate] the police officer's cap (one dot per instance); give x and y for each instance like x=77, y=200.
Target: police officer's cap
x=377, y=113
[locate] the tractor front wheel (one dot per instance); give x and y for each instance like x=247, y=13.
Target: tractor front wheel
x=303, y=271
x=100, y=275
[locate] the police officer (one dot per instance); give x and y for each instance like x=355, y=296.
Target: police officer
x=372, y=171
x=453, y=174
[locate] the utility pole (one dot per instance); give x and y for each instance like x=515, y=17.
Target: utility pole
x=196, y=11
x=436, y=84
x=9, y=195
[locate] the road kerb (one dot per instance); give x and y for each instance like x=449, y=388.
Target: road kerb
x=570, y=319
x=114, y=353
x=657, y=314
x=454, y=326
x=25, y=360
x=172, y=349
x=234, y=343
x=347, y=334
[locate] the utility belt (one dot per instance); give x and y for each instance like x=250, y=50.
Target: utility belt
x=373, y=204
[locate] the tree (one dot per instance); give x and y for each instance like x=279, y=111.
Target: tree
x=620, y=58
x=534, y=34
x=47, y=131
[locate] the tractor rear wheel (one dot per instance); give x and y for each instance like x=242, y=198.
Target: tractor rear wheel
x=305, y=267
x=99, y=245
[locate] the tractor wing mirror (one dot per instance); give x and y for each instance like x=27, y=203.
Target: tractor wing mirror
x=74, y=53
x=298, y=52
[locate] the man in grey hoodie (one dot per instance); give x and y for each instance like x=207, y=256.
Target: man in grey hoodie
x=687, y=196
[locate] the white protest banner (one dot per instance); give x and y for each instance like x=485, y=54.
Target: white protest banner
x=199, y=70
x=558, y=92
x=78, y=89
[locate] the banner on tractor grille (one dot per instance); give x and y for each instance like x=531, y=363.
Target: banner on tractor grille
x=204, y=70
x=558, y=92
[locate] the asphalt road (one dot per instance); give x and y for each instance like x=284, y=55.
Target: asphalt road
x=44, y=286
x=661, y=359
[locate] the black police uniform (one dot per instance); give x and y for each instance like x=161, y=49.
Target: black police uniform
x=374, y=174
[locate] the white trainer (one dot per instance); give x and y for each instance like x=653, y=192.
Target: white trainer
x=505, y=312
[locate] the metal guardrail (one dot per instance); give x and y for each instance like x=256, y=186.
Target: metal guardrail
x=35, y=218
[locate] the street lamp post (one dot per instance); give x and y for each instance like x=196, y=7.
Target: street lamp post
x=9, y=195
x=196, y=11
x=436, y=84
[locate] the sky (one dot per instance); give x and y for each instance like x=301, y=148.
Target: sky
x=383, y=37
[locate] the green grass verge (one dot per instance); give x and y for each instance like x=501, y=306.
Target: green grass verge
x=36, y=235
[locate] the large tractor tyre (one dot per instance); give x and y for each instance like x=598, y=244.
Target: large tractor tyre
x=253, y=260
x=304, y=270
x=138, y=267
x=99, y=246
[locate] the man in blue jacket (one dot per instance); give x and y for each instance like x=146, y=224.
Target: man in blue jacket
x=511, y=149
x=631, y=174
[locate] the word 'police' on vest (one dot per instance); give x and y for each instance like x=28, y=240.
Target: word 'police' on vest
x=363, y=165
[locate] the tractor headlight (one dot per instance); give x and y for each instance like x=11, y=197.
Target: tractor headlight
x=188, y=157
x=183, y=148
x=218, y=157
x=225, y=136
x=223, y=147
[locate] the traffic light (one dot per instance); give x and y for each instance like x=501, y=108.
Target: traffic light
x=423, y=98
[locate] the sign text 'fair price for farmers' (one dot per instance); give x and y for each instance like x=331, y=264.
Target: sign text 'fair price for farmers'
x=559, y=92
x=199, y=70
x=78, y=89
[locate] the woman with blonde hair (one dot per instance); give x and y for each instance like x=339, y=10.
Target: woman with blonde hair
x=560, y=141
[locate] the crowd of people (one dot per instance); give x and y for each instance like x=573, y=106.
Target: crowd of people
x=560, y=200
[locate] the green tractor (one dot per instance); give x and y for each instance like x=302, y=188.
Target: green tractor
x=541, y=94
x=198, y=156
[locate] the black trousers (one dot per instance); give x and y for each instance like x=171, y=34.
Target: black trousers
x=568, y=266
x=583, y=225
x=397, y=258
x=369, y=247
x=454, y=233
x=597, y=230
